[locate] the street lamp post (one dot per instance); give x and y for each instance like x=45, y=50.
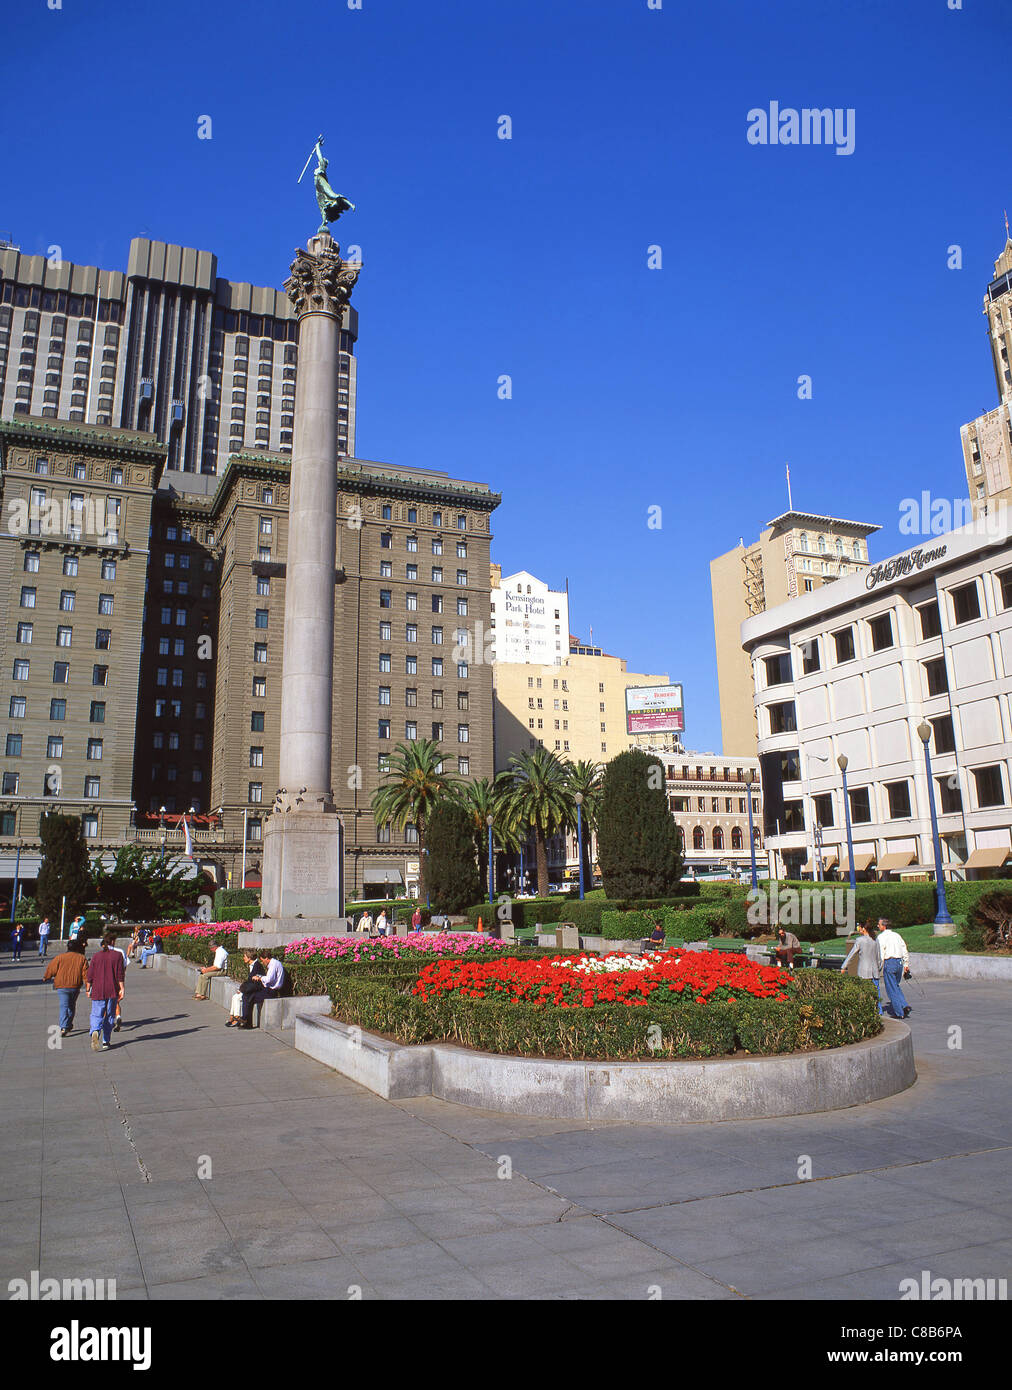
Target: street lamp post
x=17, y=873
x=841, y=763
x=749, y=779
x=488, y=822
x=579, y=837
x=944, y=925
x=161, y=832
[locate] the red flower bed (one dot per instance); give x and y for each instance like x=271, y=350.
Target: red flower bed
x=667, y=977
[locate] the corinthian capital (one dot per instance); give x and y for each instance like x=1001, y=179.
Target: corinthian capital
x=320, y=282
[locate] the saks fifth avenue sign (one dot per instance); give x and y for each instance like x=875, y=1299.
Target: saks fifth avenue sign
x=903, y=565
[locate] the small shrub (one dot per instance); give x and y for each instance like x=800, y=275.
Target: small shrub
x=989, y=925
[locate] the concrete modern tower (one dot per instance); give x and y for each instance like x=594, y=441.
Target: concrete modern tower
x=303, y=849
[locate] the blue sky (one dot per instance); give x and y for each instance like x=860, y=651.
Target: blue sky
x=631, y=387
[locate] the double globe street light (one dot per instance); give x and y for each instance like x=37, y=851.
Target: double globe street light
x=944, y=925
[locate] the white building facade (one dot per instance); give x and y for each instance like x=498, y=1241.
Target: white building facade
x=531, y=621
x=854, y=668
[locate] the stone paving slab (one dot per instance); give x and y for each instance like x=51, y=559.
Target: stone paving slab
x=321, y=1190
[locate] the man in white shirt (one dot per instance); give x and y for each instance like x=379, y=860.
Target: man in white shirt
x=365, y=922
x=217, y=968
x=119, y=1002
x=270, y=987
x=895, y=961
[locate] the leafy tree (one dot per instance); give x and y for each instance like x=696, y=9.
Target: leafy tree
x=141, y=886
x=414, y=784
x=64, y=871
x=483, y=798
x=586, y=777
x=638, y=845
x=453, y=880
x=537, y=799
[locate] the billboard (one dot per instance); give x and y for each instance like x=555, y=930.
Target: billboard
x=654, y=709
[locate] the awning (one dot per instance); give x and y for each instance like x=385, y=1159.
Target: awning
x=899, y=859
x=828, y=860
x=863, y=861
x=370, y=875
x=991, y=858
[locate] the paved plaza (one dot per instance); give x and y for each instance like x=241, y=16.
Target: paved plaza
x=319, y=1189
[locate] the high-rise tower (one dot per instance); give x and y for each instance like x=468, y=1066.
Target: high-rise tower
x=987, y=440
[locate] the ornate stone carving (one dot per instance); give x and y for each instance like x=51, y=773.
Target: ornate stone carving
x=321, y=282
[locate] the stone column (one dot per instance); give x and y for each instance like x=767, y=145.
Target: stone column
x=303, y=846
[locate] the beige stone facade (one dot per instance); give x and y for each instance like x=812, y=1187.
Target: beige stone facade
x=987, y=440
x=795, y=554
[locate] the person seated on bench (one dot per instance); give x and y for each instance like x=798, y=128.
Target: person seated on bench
x=155, y=949
x=656, y=937
x=268, y=988
x=787, y=944
x=217, y=967
x=252, y=982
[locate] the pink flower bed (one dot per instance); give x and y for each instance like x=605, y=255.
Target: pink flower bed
x=447, y=943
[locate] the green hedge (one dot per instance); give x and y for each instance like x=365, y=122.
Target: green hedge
x=225, y=898
x=245, y=913
x=829, y=1010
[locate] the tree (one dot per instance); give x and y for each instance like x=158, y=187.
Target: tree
x=415, y=783
x=141, y=886
x=638, y=845
x=64, y=871
x=483, y=798
x=537, y=799
x=452, y=876
x=586, y=777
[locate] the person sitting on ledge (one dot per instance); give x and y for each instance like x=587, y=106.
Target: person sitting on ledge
x=155, y=949
x=269, y=988
x=656, y=937
x=787, y=944
x=217, y=967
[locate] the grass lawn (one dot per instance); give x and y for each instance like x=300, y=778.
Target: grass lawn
x=918, y=939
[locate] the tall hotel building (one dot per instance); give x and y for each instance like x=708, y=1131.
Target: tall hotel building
x=987, y=440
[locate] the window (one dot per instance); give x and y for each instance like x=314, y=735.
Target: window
x=255, y=793
x=383, y=763
x=386, y=569
x=97, y=712
x=464, y=766
x=824, y=809
x=437, y=603
x=19, y=707
x=410, y=730
x=256, y=721
x=412, y=515
x=437, y=636
x=384, y=632
x=27, y=597
x=260, y=651
x=844, y=645
x=94, y=749
x=260, y=619
x=54, y=746
x=263, y=586
x=790, y=767
x=384, y=728
x=384, y=661
x=387, y=513
x=462, y=670
x=411, y=697
x=412, y=544
x=385, y=598
x=462, y=699
x=881, y=629
x=462, y=608
x=935, y=676
x=61, y=672
x=899, y=800
x=989, y=787
x=931, y=622
x=462, y=578
x=794, y=816
x=105, y=603
x=461, y=523
x=783, y=718
x=945, y=738
x=437, y=547
x=966, y=603
x=383, y=834
x=437, y=518
x=437, y=665
x=256, y=757
x=411, y=665
x=411, y=632
x=386, y=540
x=860, y=804
x=14, y=745
x=92, y=786
x=103, y=638
x=384, y=694
x=778, y=669
x=810, y=656
x=411, y=602
x=11, y=781
x=437, y=574
x=259, y=687
x=463, y=733
x=31, y=562
x=950, y=800
x=25, y=631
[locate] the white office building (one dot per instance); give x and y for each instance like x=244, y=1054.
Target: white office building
x=853, y=669
x=531, y=621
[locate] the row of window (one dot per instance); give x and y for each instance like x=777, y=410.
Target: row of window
x=71, y=566
x=683, y=804
x=782, y=716
x=58, y=707
x=437, y=517
x=171, y=740
x=555, y=684
x=68, y=600
x=175, y=709
x=717, y=838
x=988, y=784
x=61, y=672
x=89, y=822
x=411, y=731
x=411, y=635
x=411, y=698
x=463, y=764
x=411, y=665
x=411, y=602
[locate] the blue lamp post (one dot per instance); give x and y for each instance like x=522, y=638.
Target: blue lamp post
x=944, y=925
x=17, y=874
x=749, y=779
x=579, y=837
x=488, y=822
x=842, y=762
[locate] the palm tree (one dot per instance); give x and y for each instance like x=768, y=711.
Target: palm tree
x=414, y=784
x=586, y=777
x=538, y=799
x=483, y=798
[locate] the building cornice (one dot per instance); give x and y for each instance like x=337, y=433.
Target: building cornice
x=135, y=444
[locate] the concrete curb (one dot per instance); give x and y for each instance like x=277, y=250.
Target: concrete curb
x=669, y=1092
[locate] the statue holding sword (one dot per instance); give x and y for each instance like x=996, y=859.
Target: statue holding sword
x=331, y=204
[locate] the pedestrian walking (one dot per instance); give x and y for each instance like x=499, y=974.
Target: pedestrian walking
x=382, y=926
x=44, y=937
x=82, y=939
x=365, y=922
x=895, y=964
x=17, y=936
x=105, y=986
x=69, y=973
x=76, y=927
x=416, y=919
x=869, y=958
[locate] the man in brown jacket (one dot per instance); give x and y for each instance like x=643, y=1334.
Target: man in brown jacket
x=68, y=972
